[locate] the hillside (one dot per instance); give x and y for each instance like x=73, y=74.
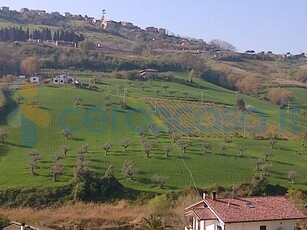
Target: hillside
x=167, y=97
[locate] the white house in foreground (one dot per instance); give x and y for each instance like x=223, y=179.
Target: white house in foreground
x=251, y=213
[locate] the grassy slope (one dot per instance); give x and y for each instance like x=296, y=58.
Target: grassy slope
x=209, y=169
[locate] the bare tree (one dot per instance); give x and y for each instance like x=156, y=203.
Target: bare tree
x=156, y=133
x=272, y=142
x=107, y=98
x=81, y=169
x=265, y=168
x=249, y=85
x=58, y=156
x=266, y=154
x=175, y=136
x=106, y=147
x=129, y=170
x=85, y=148
x=292, y=175
x=279, y=95
x=167, y=149
x=77, y=101
x=171, y=93
x=240, y=104
x=65, y=149
x=3, y=135
x=227, y=140
x=34, y=160
x=109, y=172
x=223, y=45
x=184, y=145
x=65, y=133
x=94, y=80
x=165, y=87
x=206, y=146
x=29, y=66
x=191, y=75
x=159, y=180
x=140, y=131
x=56, y=170
x=108, y=105
x=241, y=151
x=223, y=148
x=142, y=85
x=125, y=143
x=157, y=93
x=185, y=94
x=147, y=146
x=257, y=163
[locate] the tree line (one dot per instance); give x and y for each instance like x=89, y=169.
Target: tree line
x=18, y=34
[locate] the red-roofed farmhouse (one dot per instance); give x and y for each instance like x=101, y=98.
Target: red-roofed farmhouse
x=250, y=213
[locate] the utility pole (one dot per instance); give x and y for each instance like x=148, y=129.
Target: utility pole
x=103, y=14
x=124, y=98
x=244, y=125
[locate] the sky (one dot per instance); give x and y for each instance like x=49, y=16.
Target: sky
x=261, y=25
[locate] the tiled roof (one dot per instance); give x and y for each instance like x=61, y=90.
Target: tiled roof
x=254, y=209
x=204, y=214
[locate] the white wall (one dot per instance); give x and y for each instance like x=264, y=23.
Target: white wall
x=202, y=225
x=34, y=79
x=270, y=225
x=210, y=224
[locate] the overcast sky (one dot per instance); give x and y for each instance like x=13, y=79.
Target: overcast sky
x=260, y=25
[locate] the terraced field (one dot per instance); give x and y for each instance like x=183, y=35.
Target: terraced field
x=211, y=120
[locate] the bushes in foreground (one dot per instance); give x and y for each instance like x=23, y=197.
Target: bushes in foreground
x=88, y=189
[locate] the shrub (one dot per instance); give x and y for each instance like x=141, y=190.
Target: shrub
x=4, y=221
x=159, y=180
x=159, y=204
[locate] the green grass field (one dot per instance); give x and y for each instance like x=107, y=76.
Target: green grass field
x=92, y=124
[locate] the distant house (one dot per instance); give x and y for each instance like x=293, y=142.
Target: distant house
x=63, y=79
x=23, y=10
x=36, y=79
x=151, y=29
x=67, y=44
x=22, y=77
x=185, y=42
x=250, y=213
x=162, y=31
x=108, y=24
x=252, y=52
x=146, y=73
x=5, y=8
x=129, y=25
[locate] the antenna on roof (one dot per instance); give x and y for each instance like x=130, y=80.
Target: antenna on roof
x=103, y=14
x=233, y=192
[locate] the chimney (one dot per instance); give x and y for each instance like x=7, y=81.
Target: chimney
x=23, y=226
x=213, y=195
x=205, y=195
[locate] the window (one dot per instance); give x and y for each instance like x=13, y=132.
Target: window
x=263, y=227
x=219, y=228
